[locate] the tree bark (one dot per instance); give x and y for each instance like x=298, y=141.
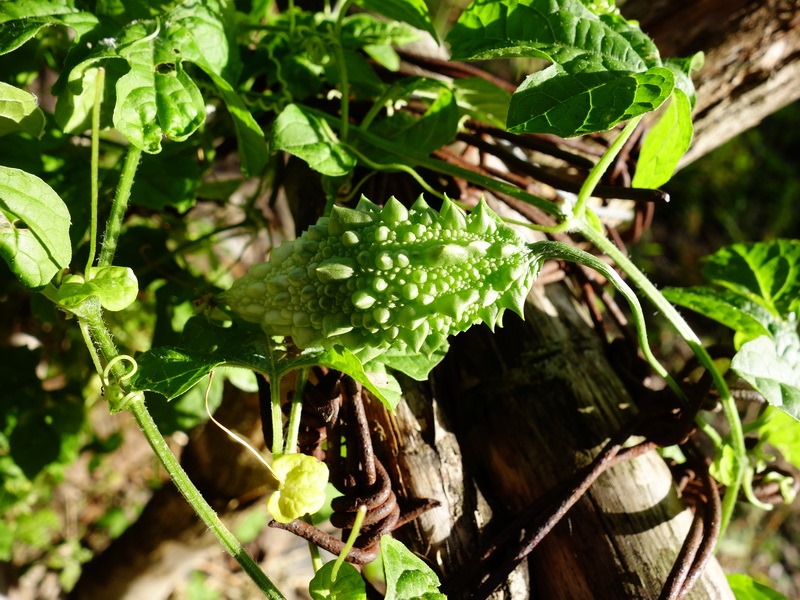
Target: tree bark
x=752, y=59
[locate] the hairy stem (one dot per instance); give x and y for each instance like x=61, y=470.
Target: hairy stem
x=276, y=414
x=101, y=337
x=198, y=503
x=95, y=165
x=293, y=430
x=118, y=207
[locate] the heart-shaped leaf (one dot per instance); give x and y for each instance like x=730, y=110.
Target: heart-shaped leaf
x=34, y=227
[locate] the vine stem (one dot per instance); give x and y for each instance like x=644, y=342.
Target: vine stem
x=344, y=85
x=277, y=415
x=101, y=337
x=597, y=172
x=559, y=250
x=646, y=287
x=99, y=82
x=118, y=207
x=197, y=502
x=293, y=430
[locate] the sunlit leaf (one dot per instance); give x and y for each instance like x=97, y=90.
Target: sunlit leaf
x=115, y=288
x=407, y=576
x=34, y=227
x=745, y=587
x=766, y=272
x=728, y=308
x=349, y=584
x=772, y=366
x=413, y=12
x=302, y=134
x=665, y=143
x=567, y=103
x=19, y=111
x=783, y=432
x=604, y=71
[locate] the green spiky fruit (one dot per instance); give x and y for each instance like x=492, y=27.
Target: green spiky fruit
x=388, y=281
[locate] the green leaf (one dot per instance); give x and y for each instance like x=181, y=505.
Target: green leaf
x=569, y=104
x=605, y=69
x=304, y=135
x=115, y=287
x=195, y=31
x=171, y=371
x=21, y=20
x=253, y=151
x=27, y=9
x=783, y=432
x=725, y=467
x=728, y=308
x=361, y=31
x=665, y=143
x=435, y=128
x=766, y=272
x=683, y=69
x=745, y=587
x=417, y=366
x=482, y=100
x=302, y=487
x=19, y=111
x=34, y=227
x=156, y=98
x=413, y=12
x=772, y=366
x=189, y=409
x=349, y=584
x=407, y=576
x=555, y=31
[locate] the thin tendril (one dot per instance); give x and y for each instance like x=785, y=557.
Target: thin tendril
x=234, y=436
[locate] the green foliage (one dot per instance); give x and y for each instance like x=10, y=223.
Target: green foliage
x=389, y=283
x=413, y=12
x=172, y=371
x=348, y=584
x=300, y=133
x=34, y=237
x=195, y=85
x=19, y=111
x=156, y=97
x=781, y=431
x=407, y=576
x=605, y=69
x=115, y=288
x=747, y=588
x=665, y=143
x=760, y=300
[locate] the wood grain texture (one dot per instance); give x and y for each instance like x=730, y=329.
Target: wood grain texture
x=752, y=51
x=527, y=406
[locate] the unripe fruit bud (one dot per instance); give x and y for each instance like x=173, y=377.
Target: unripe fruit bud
x=393, y=280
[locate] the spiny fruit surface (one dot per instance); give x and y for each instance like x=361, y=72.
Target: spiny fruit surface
x=388, y=281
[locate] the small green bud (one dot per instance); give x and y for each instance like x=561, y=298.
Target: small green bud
x=391, y=280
